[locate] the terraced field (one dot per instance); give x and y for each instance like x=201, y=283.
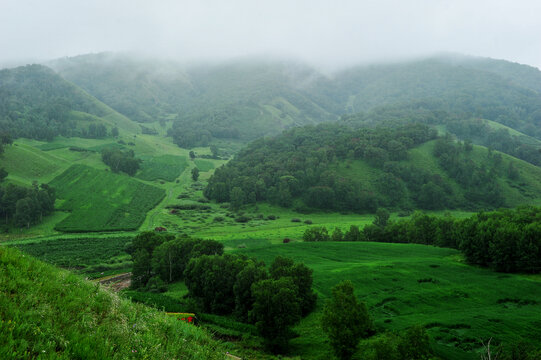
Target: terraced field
x=102, y=201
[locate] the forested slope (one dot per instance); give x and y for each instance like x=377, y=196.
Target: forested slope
x=248, y=98
x=37, y=103
x=332, y=166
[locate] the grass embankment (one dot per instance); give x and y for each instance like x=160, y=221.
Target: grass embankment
x=49, y=313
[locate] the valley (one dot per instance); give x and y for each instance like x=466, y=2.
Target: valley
x=280, y=150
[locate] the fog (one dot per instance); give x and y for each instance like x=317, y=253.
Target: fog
x=328, y=34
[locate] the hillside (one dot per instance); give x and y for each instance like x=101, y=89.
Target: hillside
x=37, y=103
x=360, y=169
x=249, y=98
x=50, y=313
x=243, y=100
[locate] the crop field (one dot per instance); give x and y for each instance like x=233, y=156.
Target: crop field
x=102, y=201
x=92, y=256
x=165, y=167
x=204, y=165
x=404, y=285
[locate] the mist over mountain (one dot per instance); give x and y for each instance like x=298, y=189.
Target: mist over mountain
x=247, y=98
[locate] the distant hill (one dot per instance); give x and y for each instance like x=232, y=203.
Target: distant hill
x=244, y=99
x=37, y=103
x=249, y=98
x=51, y=313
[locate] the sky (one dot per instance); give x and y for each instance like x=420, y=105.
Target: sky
x=324, y=33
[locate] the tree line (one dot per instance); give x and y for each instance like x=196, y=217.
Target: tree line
x=273, y=299
x=504, y=240
x=24, y=206
x=119, y=160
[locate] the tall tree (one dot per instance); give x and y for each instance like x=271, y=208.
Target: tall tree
x=276, y=308
x=195, y=174
x=345, y=320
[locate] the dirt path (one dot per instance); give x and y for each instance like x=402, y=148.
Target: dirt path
x=116, y=282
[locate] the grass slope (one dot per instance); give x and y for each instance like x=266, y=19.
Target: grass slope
x=166, y=167
x=404, y=285
x=48, y=313
x=101, y=200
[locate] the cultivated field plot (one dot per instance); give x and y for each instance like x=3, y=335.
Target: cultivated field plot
x=165, y=167
x=204, y=165
x=101, y=201
x=406, y=284
x=88, y=255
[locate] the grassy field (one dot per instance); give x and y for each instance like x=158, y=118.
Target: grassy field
x=404, y=285
x=101, y=200
x=165, y=167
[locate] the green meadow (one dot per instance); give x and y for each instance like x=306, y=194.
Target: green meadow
x=405, y=285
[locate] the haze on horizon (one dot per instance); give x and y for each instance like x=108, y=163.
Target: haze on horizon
x=329, y=34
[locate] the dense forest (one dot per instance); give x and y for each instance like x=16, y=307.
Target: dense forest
x=37, y=103
x=301, y=168
x=227, y=284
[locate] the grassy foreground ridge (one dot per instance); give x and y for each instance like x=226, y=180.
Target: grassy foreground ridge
x=48, y=313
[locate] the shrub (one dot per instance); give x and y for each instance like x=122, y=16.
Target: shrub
x=271, y=217
x=218, y=219
x=242, y=219
x=286, y=240
x=316, y=234
x=296, y=220
x=308, y=222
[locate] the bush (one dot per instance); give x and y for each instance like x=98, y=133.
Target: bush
x=189, y=207
x=218, y=219
x=286, y=240
x=295, y=220
x=308, y=222
x=316, y=234
x=242, y=219
x=271, y=217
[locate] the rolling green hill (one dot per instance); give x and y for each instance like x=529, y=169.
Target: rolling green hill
x=346, y=169
x=49, y=313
